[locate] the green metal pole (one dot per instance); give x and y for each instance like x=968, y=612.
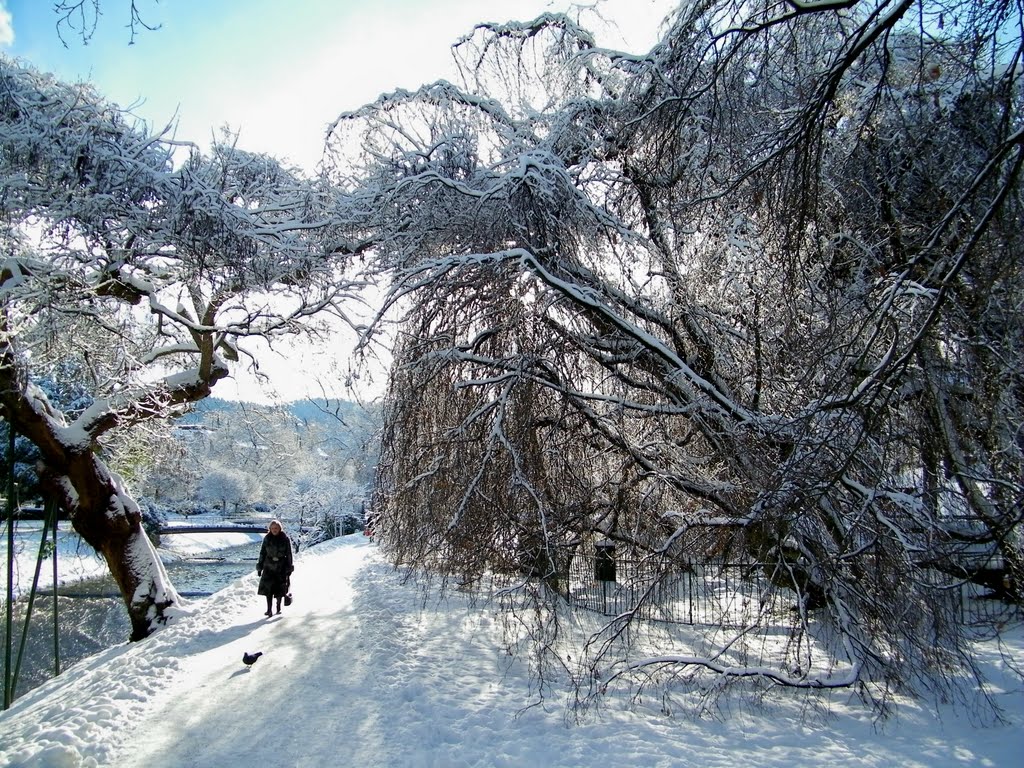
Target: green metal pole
x=31, y=603
x=56, y=620
x=9, y=618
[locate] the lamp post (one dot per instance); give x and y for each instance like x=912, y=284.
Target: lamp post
x=56, y=619
x=604, y=568
x=9, y=615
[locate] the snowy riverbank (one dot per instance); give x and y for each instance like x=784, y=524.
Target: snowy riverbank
x=77, y=561
x=359, y=671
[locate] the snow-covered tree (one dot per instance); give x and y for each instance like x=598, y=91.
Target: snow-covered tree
x=259, y=454
x=755, y=293
x=324, y=506
x=145, y=263
x=223, y=487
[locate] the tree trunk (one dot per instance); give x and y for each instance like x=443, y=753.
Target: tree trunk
x=110, y=521
x=100, y=508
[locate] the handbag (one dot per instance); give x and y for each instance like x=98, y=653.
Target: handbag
x=288, y=599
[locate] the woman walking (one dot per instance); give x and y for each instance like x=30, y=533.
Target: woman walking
x=274, y=565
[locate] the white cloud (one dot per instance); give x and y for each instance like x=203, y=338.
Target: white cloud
x=6, y=26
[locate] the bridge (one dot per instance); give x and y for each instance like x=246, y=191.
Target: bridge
x=212, y=529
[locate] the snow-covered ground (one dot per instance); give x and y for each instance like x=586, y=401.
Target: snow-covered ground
x=361, y=671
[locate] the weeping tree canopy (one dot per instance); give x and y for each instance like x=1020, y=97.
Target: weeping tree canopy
x=755, y=294
x=144, y=265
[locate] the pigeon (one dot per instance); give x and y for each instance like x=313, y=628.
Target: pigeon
x=250, y=658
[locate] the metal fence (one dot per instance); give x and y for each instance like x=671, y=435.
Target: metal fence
x=979, y=607
x=719, y=593
x=723, y=594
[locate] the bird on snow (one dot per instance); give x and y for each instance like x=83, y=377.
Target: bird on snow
x=250, y=658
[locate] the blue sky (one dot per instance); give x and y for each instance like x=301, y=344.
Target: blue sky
x=277, y=71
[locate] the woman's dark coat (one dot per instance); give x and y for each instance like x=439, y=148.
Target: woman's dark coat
x=274, y=565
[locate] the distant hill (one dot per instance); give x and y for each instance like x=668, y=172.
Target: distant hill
x=349, y=424
x=345, y=414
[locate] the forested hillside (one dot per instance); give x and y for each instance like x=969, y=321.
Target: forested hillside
x=233, y=456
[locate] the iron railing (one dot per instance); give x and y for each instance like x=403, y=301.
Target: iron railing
x=726, y=594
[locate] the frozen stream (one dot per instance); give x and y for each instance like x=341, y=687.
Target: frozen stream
x=92, y=616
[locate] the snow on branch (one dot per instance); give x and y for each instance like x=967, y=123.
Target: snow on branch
x=677, y=371
x=851, y=676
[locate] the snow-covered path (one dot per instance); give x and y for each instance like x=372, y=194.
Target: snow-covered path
x=363, y=671
x=263, y=709
x=356, y=674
